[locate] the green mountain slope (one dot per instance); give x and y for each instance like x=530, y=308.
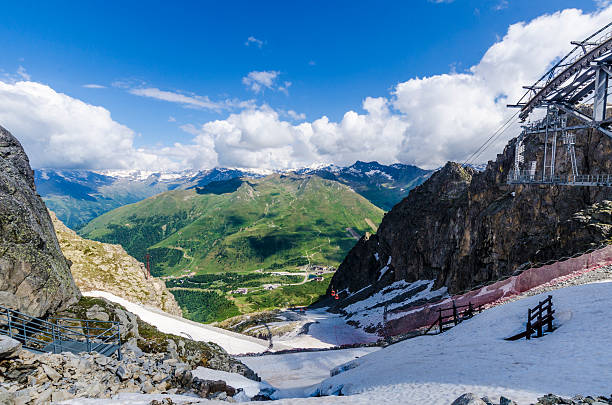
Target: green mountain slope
x=277, y=222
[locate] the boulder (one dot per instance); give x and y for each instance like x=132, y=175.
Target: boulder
x=35, y=276
x=9, y=347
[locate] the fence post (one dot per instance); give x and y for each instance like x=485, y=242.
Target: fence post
x=440, y=318
x=119, y=356
x=470, y=310
x=87, y=335
x=10, y=325
x=528, y=329
x=53, y=338
x=540, y=319
x=455, y=314
x=25, y=335
x=550, y=318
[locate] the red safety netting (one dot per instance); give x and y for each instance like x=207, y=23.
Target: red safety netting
x=496, y=293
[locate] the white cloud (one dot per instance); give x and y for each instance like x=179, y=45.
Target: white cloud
x=451, y=115
x=296, y=116
x=21, y=71
x=284, y=88
x=57, y=130
x=171, y=119
x=254, y=41
x=424, y=121
x=501, y=5
x=190, y=101
x=258, y=80
x=94, y=86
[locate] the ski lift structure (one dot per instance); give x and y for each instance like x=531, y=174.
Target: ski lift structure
x=574, y=90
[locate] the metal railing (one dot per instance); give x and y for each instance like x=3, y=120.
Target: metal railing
x=528, y=177
x=58, y=335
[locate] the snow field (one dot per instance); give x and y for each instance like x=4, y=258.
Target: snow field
x=474, y=357
x=233, y=343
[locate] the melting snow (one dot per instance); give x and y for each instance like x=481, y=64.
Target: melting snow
x=369, y=312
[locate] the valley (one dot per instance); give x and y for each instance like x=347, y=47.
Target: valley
x=242, y=245
x=306, y=204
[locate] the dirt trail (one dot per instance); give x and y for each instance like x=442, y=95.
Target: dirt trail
x=371, y=224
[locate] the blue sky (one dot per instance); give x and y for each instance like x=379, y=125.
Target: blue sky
x=322, y=59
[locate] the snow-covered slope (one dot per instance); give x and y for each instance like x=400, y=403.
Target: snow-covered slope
x=233, y=343
x=290, y=372
x=574, y=359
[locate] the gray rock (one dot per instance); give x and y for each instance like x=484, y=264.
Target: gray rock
x=487, y=400
x=506, y=401
x=147, y=387
x=51, y=373
x=97, y=313
x=9, y=347
x=35, y=276
x=122, y=373
x=468, y=399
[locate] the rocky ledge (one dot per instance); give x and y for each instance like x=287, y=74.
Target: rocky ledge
x=27, y=378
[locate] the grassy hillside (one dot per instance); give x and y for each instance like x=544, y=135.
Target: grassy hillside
x=277, y=222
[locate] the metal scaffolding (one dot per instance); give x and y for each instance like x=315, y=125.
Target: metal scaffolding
x=576, y=87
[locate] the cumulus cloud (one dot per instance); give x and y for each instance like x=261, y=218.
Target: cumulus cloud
x=451, y=114
x=254, y=41
x=57, y=130
x=424, y=121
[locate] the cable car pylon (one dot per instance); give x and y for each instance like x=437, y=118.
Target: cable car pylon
x=574, y=94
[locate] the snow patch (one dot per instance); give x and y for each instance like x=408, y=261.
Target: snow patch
x=369, y=312
x=233, y=343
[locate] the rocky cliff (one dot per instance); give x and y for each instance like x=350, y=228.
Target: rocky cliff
x=100, y=266
x=34, y=275
x=462, y=228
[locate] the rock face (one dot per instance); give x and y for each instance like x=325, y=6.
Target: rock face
x=100, y=266
x=463, y=228
x=34, y=275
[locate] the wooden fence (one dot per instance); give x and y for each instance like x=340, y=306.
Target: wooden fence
x=452, y=316
x=538, y=317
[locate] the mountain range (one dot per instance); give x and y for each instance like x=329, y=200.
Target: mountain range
x=78, y=196
x=243, y=224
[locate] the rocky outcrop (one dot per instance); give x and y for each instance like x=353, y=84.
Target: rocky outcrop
x=464, y=228
x=148, y=339
x=40, y=379
x=34, y=275
x=100, y=266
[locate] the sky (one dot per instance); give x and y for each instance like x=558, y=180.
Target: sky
x=275, y=84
